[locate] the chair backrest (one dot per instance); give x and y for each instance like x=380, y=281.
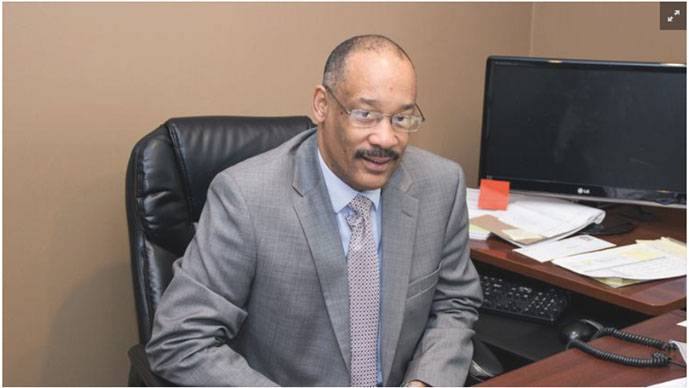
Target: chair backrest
x=168, y=175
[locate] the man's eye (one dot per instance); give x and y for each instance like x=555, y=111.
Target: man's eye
x=401, y=119
x=362, y=114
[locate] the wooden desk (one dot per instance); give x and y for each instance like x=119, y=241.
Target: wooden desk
x=652, y=298
x=576, y=368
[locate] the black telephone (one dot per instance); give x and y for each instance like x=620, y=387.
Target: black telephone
x=577, y=333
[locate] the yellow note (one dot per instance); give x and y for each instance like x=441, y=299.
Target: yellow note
x=521, y=235
x=641, y=254
x=477, y=228
x=618, y=282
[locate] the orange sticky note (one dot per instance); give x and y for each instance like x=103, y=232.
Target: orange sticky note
x=493, y=195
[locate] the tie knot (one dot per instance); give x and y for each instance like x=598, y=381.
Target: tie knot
x=361, y=205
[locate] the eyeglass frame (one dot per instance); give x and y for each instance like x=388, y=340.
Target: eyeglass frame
x=384, y=115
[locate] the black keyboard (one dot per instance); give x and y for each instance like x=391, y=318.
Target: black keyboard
x=536, y=303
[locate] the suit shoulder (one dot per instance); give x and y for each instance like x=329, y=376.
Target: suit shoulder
x=275, y=162
x=423, y=165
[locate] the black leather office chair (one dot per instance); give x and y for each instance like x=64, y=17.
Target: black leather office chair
x=168, y=175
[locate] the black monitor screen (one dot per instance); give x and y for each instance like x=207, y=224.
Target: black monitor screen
x=611, y=130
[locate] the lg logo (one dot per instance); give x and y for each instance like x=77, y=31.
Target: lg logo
x=582, y=190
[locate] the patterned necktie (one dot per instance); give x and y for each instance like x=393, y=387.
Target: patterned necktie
x=364, y=293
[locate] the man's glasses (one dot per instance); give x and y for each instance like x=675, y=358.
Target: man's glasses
x=363, y=118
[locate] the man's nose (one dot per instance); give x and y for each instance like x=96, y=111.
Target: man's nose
x=383, y=135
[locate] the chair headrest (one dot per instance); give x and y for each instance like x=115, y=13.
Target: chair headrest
x=171, y=168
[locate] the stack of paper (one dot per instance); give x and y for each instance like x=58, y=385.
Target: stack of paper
x=532, y=219
x=478, y=233
x=646, y=260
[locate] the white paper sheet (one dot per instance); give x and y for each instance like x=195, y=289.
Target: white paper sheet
x=563, y=248
x=550, y=217
x=661, y=268
x=667, y=245
x=637, y=261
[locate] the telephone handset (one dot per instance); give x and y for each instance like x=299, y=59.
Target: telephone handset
x=577, y=333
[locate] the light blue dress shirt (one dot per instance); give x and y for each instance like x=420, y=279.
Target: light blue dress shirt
x=340, y=196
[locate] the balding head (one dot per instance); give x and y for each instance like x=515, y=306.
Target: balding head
x=335, y=66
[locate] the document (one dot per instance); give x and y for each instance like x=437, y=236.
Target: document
x=563, y=248
x=668, y=245
x=549, y=217
x=640, y=261
x=659, y=268
x=531, y=219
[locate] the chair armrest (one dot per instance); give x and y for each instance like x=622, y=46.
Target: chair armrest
x=140, y=366
x=484, y=364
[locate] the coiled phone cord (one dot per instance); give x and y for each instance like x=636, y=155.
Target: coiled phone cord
x=657, y=359
x=629, y=337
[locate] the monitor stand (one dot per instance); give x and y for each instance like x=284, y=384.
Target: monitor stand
x=612, y=224
x=638, y=213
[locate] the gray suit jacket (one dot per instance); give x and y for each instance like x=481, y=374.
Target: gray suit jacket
x=261, y=297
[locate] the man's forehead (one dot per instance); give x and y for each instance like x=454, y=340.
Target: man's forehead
x=362, y=58
x=375, y=67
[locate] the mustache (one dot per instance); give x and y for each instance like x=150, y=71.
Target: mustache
x=377, y=153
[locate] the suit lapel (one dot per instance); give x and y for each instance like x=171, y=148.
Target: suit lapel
x=399, y=229
x=318, y=221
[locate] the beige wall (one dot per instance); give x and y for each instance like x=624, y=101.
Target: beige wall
x=83, y=82
x=616, y=31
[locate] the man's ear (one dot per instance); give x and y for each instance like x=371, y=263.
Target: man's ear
x=320, y=104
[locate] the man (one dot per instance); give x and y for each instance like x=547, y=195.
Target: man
x=339, y=258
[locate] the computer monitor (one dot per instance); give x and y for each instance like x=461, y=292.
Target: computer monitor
x=593, y=130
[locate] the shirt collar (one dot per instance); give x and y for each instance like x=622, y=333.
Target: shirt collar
x=341, y=194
